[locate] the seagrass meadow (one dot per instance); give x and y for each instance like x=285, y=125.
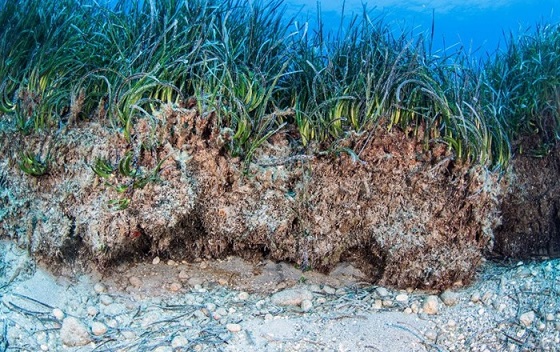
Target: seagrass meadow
x=207, y=128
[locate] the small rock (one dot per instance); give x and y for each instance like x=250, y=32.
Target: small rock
x=222, y=282
x=341, y=291
x=99, y=288
x=268, y=317
x=449, y=298
x=475, y=297
x=431, y=334
x=222, y=311
x=541, y=326
x=315, y=288
x=243, y=296
x=211, y=307
x=430, y=305
x=135, y=281
x=105, y=299
x=549, y=317
x=98, y=328
x=92, y=311
x=174, y=287
x=58, y=313
x=163, y=349
x=74, y=333
x=387, y=303
x=179, y=341
x=402, y=297
x=408, y=310
x=321, y=300
x=183, y=275
x=378, y=304
x=291, y=297
x=203, y=265
x=527, y=318
x=171, y=262
x=329, y=290
x=382, y=291
x=233, y=327
x=156, y=261
x=306, y=305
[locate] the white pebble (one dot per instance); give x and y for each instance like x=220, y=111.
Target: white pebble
x=306, y=305
x=382, y=291
x=92, y=311
x=179, y=341
x=99, y=288
x=402, y=298
x=449, y=298
x=106, y=299
x=527, y=318
x=135, y=282
x=58, y=314
x=98, y=328
x=329, y=290
x=233, y=327
x=243, y=296
x=431, y=305
x=175, y=287
x=475, y=297
x=156, y=261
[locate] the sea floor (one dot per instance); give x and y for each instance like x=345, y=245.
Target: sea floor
x=234, y=305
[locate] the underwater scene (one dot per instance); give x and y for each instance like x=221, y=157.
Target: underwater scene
x=252, y=175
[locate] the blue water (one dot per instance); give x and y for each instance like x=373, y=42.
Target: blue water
x=476, y=25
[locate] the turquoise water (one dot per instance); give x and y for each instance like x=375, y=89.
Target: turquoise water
x=477, y=25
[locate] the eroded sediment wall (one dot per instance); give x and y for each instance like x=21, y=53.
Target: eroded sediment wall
x=406, y=215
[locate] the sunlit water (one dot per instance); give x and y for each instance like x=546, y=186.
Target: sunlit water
x=477, y=25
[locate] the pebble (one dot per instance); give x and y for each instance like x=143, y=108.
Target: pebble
x=175, y=287
x=156, y=261
x=527, y=318
x=382, y=291
x=306, y=305
x=183, y=275
x=99, y=288
x=475, y=297
x=74, y=333
x=291, y=297
x=449, y=298
x=243, y=296
x=171, y=262
x=233, y=327
x=179, y=341
x=329, y=290
x=135, y=282
x=92, y=311
x=98, y=328
x=402, y=297
x=387, y=303
x=549, y=317
x=105, y=299
x=430, y=305
x=431, y=335
x=58, y=313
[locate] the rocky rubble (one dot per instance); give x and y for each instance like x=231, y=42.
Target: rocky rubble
x=513, y=307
